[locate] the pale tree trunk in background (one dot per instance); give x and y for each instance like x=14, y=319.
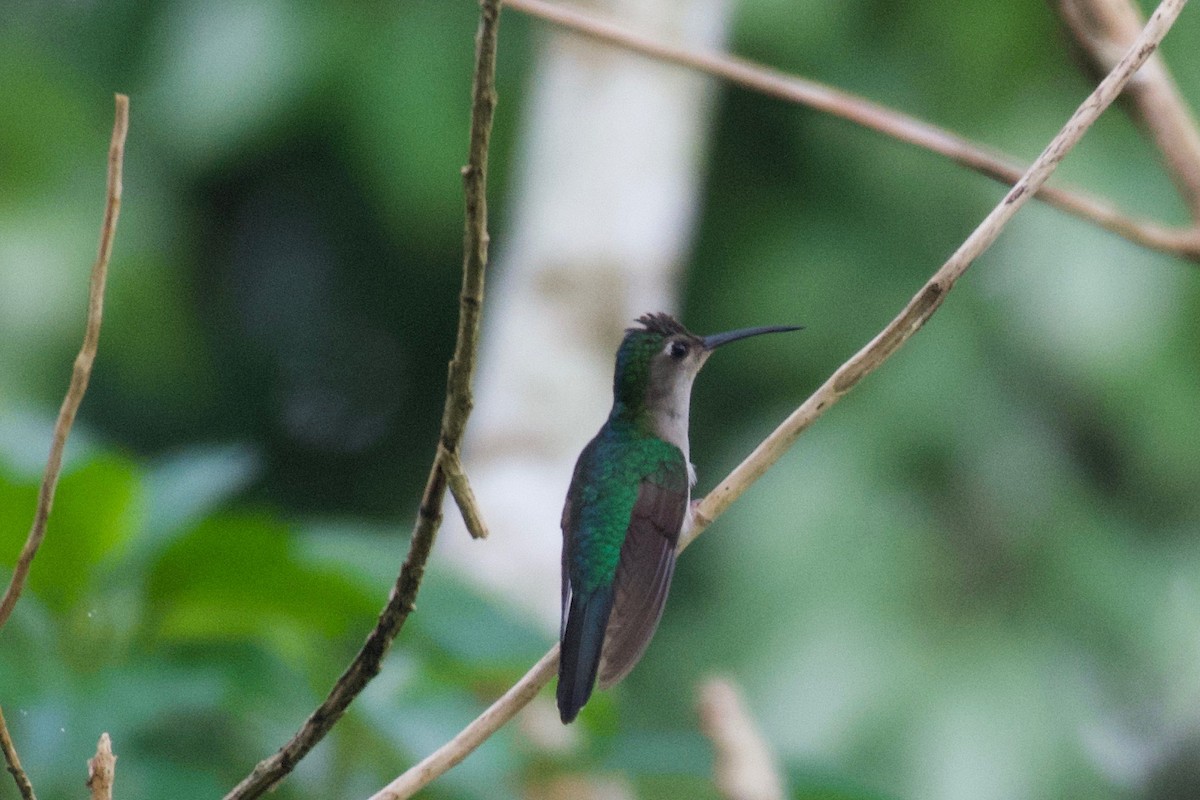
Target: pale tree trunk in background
x=604, y=197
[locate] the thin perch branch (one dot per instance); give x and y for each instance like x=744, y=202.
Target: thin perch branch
x=869, y=358
x=1104, y=28
x=1183, y=242
x=401, y=600
x=14, y=762
x=933, y=293
x=102, y=770
x=743, y=765
x=475, y=734
x=82, y=371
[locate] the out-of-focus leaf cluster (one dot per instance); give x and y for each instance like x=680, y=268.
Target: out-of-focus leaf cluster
x=975, y=577
x=198, y=642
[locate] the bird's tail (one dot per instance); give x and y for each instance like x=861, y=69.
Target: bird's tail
x=582, y=640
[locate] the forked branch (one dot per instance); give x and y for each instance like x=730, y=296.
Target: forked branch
x=921, y=307
x=1103, y=29
x=367, y=661
x=862, y=363
x=1184, y=242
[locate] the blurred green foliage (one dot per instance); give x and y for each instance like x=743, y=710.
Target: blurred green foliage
x=977, y=577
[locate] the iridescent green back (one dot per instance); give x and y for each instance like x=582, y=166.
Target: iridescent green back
x=603, y=492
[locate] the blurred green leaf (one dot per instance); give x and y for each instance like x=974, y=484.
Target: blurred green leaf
x=95, y=513
x=239, y=575
x=225, y=71
x=39, y=92
x=186, y=486
x=428, y=716
x=408, y=122
x=816, y=783
x=471, y=631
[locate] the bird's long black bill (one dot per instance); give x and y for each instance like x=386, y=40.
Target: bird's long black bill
x=718, y=339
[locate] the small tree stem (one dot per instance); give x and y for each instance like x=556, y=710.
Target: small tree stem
x=402, y=599
x=82, y=371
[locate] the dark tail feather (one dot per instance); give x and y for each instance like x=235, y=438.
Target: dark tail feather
x=582, y=638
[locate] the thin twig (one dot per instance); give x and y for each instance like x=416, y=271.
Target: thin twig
x=401, y=600
x=1104, y=28
x=865, y=361
x=474, y=734
x=1184, y=242
x=743, y=765
x=14, y=762
x=102, y=769
x=933, y=293
x=464, y=497
x=82, y=371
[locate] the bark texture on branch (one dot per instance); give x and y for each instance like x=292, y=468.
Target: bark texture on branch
x=605, y=190
x=13, y=762
x=459, y=403
x=102, y=769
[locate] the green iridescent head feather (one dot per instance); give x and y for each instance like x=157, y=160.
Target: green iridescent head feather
x=635, y=353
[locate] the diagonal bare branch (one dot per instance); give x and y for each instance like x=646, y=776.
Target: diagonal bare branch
x=475, y=734
x=1104, y=28
x=921, y=307
x=401, y=600
x=843, y=379
x=24, y=787
x=82, y=371
x=1183, y=242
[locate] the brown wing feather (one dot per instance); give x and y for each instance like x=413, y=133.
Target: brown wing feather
x=643, y=578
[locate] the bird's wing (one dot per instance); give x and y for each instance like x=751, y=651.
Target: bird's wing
x=647, y=562
x=587, y=525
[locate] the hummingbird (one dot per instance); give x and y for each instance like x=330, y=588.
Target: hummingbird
x=626, y=506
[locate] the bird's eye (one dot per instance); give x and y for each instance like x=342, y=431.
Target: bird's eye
x=678, y=350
